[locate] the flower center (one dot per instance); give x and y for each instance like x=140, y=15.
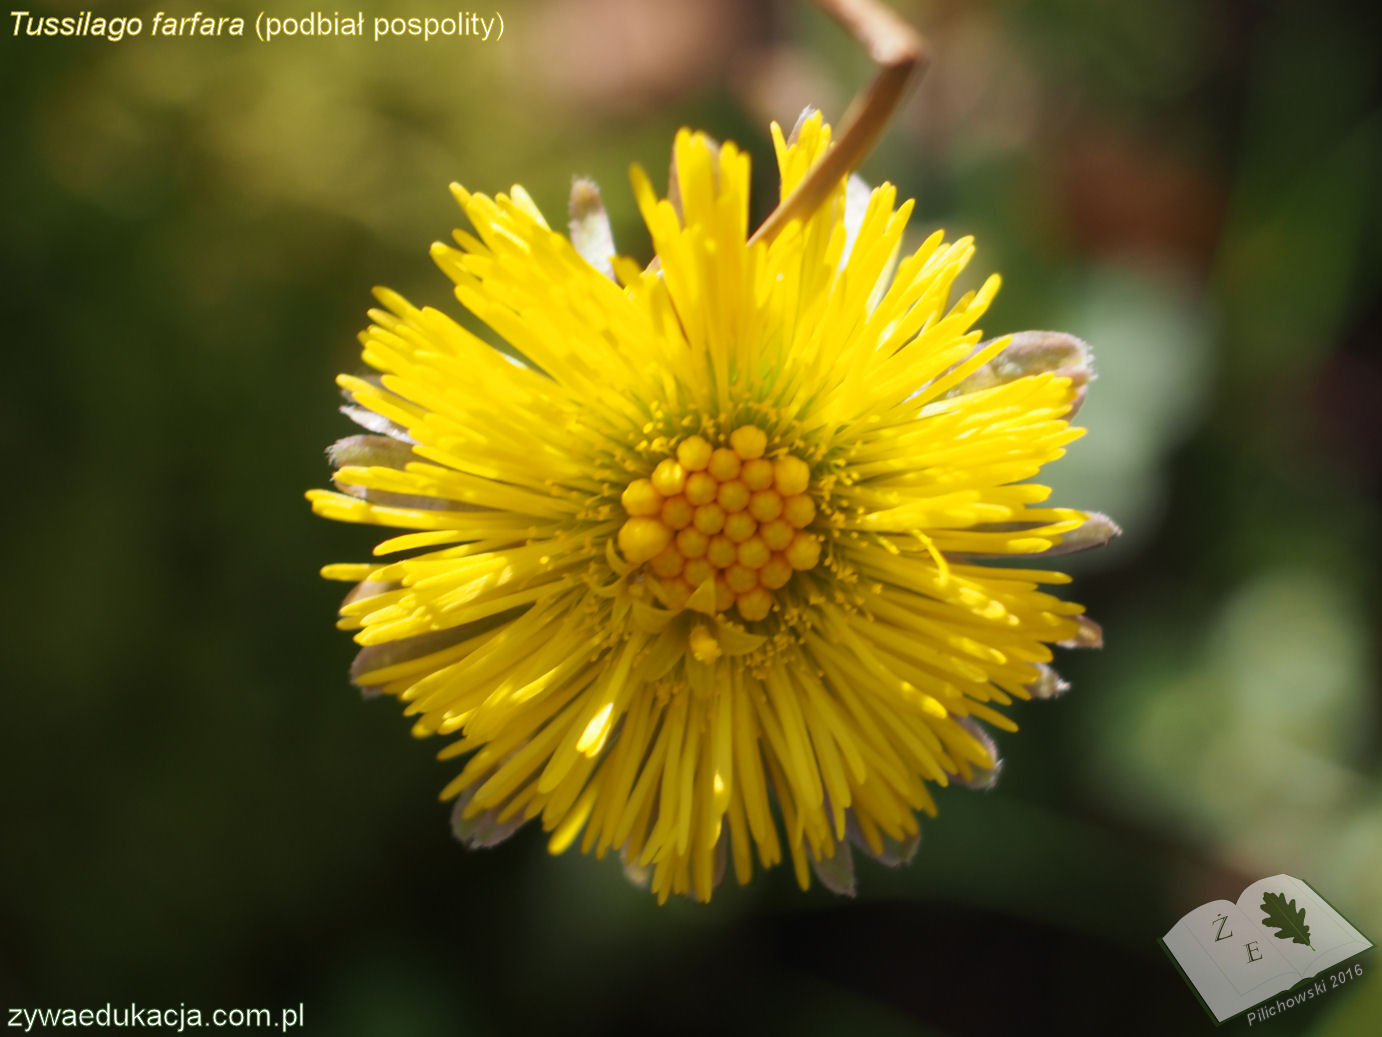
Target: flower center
x=725, y=513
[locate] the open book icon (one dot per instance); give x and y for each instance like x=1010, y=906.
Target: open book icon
x=1280, y=933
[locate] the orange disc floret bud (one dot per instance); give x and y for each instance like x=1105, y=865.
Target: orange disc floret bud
x=733, y=496
x=724, y=464
x=697, y=571
x=677, y=512
x=776, y=573
x=804, y=552
x=765, y=505
x=701, y=488
x=668, y=477
x=799, y=510
x=693, y=453
x=777, y=534
x=675, y=593
x=748, y=442
x=755, y=604
x=740, y=578
x=642, y=538
x=639, y=498
x=721, y=552
x=667, y=563
x=740, y=526
x=791, y=475
x=757, y=474
x=710, y=519
x=753, y=553
x=691, y=542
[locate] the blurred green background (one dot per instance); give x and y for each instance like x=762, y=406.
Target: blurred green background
x=196, y=806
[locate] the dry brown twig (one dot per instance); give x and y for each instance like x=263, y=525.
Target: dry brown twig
x=900, y=54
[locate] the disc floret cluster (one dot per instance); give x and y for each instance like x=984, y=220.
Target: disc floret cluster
x=726, y=514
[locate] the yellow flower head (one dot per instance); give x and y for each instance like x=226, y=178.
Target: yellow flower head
x=695, y=563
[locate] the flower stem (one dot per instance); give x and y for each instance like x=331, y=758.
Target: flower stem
x=900, y=53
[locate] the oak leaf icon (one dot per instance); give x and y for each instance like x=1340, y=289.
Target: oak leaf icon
x=1284, y=916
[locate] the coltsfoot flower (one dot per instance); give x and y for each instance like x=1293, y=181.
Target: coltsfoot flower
x=709, y=561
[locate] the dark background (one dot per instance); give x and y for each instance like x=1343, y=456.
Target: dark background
x=197, y=809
